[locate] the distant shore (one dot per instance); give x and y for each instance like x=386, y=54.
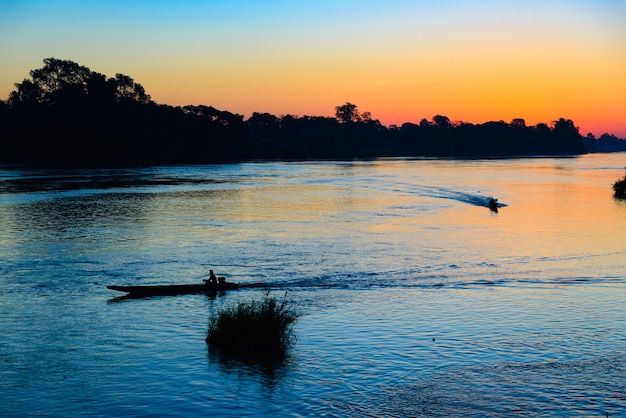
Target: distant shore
x=67, y=115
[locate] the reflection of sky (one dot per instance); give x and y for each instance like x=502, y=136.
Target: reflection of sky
x=533, y=294
x=401, y=60
x=377, y=210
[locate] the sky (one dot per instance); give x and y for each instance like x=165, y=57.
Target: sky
x=401, y=60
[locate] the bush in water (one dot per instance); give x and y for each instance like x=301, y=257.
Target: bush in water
x=258, y=328
x=619, y=188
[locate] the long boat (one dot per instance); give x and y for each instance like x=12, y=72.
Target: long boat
x=176, y=289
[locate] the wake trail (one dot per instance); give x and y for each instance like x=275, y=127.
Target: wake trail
x=435, y=192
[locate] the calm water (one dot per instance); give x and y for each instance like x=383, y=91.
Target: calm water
x=416, y=300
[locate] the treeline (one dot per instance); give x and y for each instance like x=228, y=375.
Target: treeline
x=606, y=143
x=67, y=115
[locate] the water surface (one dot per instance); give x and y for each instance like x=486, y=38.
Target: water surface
x=416, y=299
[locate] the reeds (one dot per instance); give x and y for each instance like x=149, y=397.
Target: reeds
x=257, y=328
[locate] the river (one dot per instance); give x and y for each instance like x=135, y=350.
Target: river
x=415, y=298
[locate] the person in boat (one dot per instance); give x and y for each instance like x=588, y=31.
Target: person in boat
x=493, y=203
x=212, y=280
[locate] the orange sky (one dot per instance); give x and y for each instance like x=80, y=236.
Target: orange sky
x=401, y=60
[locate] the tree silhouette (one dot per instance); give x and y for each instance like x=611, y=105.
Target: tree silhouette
x=442, y=121
x=518, y=123
x=64, y=81
x=127, y=90
x=566, y=137
x=264, y=125
x=66, y=114
x=347, y=112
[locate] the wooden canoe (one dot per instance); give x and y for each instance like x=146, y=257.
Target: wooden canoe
x=177, y=289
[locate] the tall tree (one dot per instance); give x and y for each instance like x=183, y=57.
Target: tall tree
x=347, y=112
x=442, y=121
x=63, y=81
x=50, y=83
x=127, y=90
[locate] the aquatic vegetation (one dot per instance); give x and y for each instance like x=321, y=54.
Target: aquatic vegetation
x=619, y=188
x=257, y=328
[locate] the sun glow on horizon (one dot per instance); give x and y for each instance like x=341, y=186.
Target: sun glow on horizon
x=402, y=61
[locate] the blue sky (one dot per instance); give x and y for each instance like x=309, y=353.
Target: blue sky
x=401, y=60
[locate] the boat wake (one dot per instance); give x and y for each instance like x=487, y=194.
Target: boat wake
x=476, y=199
x=436, y=192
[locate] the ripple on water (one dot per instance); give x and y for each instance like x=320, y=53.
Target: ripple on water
x=594, y=386
x=415, y=300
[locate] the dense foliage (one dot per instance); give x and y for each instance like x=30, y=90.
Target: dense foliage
x=65, y=114
x=258, y=329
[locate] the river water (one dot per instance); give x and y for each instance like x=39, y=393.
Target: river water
x=415, y=298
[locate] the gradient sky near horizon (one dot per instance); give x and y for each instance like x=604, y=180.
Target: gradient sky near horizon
x=473, y=61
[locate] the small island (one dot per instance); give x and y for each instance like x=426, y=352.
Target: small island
x=66, y=115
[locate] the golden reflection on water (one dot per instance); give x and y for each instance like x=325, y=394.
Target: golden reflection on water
x=400, y=270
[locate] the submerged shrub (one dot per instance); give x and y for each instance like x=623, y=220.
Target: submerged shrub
x=619, y=188
x=258, y=328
